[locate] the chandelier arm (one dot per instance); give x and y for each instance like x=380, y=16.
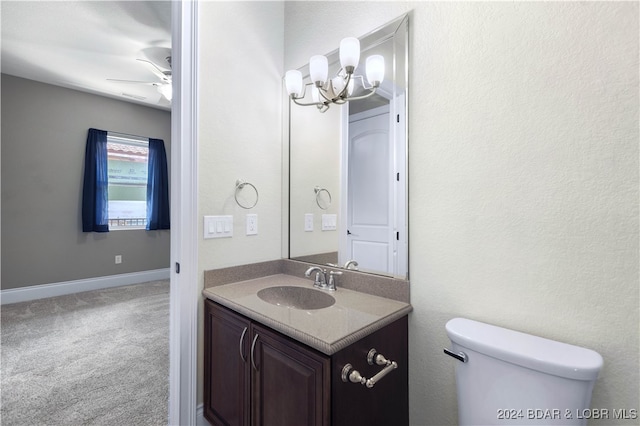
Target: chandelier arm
x=295, y=100
x=321, y=91
x=340, y=95
x=340, y=98
x=356, y=98
x=371, y=86
x=345, y=89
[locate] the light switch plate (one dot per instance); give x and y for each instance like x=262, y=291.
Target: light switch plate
x=329, y=222
x=218, y=226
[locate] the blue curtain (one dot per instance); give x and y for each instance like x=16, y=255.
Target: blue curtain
x=95, y=193
x=157, y=187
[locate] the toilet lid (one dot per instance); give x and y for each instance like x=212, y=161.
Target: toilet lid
x=537, y=353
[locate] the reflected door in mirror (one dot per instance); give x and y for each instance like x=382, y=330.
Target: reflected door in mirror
x=369, y=196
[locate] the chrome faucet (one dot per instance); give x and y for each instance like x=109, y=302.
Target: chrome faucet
x=351, y=263
x=321, y=278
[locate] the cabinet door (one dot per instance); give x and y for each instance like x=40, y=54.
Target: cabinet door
x=226, y=367
x=387, y=403
x=290, y=382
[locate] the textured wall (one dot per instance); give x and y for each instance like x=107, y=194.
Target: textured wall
x=523, y=165
x=240, y=125
x=240, y=128
x=44, y=133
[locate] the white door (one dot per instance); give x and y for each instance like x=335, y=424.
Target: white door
x=369, y=191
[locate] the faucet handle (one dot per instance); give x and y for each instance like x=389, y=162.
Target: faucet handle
x=331, y=285
x=321, y=278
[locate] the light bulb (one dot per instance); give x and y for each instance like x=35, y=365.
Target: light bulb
x=293, y=82
x=318, y=69
x=349, y=54
x=375, y=69
x=315, y=94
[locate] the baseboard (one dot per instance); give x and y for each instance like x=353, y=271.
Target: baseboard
x=24, y=294
x=200, y=420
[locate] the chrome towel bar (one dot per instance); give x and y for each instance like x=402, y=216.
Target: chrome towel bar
x=350, y=374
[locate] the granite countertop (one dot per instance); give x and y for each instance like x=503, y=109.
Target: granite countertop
x=353, y=316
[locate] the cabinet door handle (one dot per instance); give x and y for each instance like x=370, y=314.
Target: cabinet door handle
x=242, y=341
x=253, y=347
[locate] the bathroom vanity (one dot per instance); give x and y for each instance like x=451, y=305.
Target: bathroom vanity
x=270, y=364
x=277, y=352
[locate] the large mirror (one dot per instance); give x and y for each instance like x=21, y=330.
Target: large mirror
x=348, y=167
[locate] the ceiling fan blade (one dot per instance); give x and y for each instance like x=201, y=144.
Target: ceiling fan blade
x=137, y=97
x=161, y=56
x=164, y=76
x=151, y=83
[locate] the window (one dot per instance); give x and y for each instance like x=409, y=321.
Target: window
x=126, y=183
x=128, y=163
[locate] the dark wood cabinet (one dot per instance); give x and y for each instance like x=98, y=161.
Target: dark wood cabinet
x=387, y=403
x=254, y=375
x=227, y=396
x=290, y=382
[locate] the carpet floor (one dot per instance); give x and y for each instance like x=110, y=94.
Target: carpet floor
x=93, y=358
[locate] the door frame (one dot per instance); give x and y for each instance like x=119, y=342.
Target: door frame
x=183, y=321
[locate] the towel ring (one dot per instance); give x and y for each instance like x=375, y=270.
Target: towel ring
x=319, y=191
x=240, y=184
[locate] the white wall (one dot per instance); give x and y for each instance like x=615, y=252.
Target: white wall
x=240, y=132
x=315, y=161
x=523, y=165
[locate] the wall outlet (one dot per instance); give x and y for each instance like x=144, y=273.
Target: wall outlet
x=252, y=224
x=308, y=222
x=118, y=259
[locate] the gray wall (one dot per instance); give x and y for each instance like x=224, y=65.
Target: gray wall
x=44, y=131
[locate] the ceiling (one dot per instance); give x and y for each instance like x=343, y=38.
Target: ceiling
x=82, y=44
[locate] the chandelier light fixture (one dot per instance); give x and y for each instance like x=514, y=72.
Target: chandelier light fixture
x=340, y=88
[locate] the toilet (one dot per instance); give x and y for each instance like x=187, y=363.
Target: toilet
x=505, y=377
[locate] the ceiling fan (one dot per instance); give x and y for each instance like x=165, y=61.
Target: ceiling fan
x=163, y=84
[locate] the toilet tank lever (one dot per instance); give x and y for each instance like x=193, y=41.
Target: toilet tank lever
x=460, y=356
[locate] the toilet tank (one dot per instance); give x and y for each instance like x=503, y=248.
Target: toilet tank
x=513, y=378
